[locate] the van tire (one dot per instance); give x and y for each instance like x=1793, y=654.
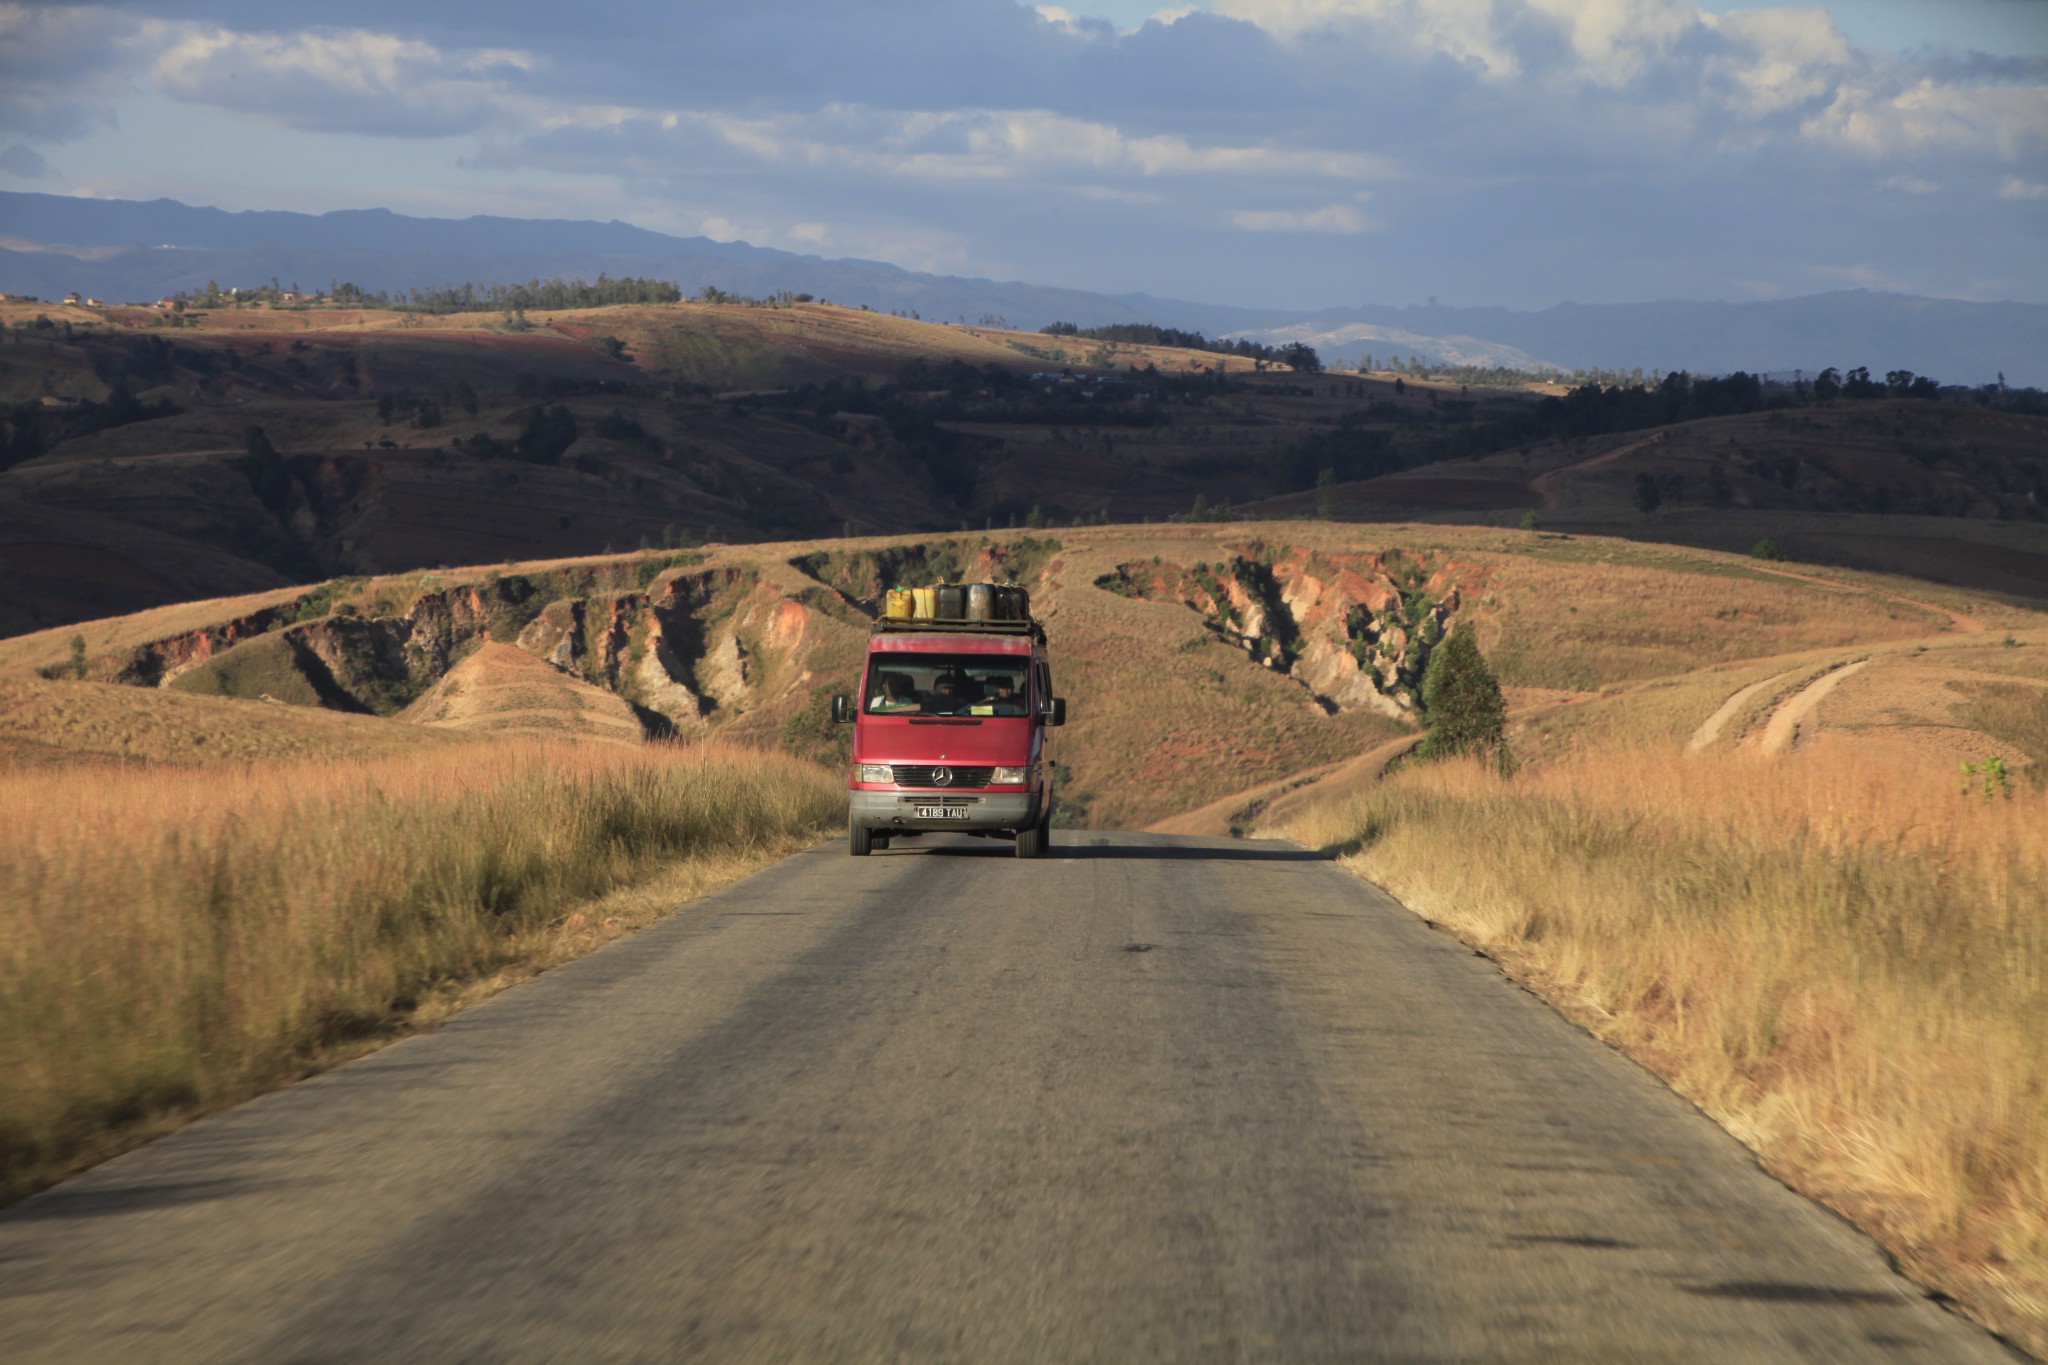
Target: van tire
x=859, y=839
x=1032, y=842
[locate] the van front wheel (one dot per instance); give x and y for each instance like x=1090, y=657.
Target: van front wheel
x=859, y=839
x=1031, y=843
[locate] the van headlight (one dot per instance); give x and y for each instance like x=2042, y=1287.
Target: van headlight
x=873, y=772
x=1009, y=777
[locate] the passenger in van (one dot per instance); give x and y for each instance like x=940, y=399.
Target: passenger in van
x=896, y=695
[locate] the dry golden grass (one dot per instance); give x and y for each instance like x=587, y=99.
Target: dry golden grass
x=502, y=690
x=171, y=941
x=1844, y=962
x=1615, y=619
x=55, y=724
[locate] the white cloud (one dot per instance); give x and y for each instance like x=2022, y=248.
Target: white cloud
x=1618, y=41
x=1776, y=59
x=2002, y=121
x=1049, y=138
x=1331, y=218
x=1910, y=184
x=354, y=80
x=971, y=145
x=1463, y=30
x=2016, y=188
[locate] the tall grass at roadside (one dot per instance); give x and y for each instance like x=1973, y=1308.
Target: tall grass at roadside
x=1845, y=963
x=171, y=939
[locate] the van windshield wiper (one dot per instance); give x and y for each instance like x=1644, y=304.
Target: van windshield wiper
x=944, y=720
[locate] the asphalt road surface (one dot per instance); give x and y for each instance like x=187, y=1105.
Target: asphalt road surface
x=1148, y=1099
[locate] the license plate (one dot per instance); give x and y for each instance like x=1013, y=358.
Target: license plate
x=939, y=812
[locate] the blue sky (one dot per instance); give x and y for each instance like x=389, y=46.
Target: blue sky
x=1301, y=153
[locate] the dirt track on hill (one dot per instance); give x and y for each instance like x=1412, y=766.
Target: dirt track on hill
x=1551, y=483
x=1149, y=1099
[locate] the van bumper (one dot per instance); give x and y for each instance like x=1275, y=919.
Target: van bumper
x=984, y=810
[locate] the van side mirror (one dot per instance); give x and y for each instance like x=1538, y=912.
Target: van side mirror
x=1056, y=712
x=842, y=709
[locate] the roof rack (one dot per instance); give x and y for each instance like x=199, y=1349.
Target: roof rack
x=911, y=625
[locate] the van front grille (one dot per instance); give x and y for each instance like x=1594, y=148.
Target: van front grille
x=925, y=775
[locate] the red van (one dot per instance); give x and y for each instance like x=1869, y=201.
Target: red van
x=949, y=733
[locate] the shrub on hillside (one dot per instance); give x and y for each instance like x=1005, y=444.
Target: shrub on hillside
x=1463, y=703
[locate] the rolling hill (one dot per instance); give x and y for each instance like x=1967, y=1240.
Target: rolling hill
x=127, y=250
x=151, y=457
x=1285, y=647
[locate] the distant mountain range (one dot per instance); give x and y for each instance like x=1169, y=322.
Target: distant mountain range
x=126, y=250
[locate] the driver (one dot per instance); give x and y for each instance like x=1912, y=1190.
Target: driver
x=1007, y=702
x=1001, y=700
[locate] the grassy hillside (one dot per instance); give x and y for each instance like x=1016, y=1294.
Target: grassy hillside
x=249, y=448
x=1203, y=659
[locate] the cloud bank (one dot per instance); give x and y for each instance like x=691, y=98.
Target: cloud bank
x=1287, y=151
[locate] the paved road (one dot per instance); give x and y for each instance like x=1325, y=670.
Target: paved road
x=1149, y=1099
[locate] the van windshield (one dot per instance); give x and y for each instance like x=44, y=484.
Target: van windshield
x=946, y=684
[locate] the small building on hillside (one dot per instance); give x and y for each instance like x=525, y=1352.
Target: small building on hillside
x=72, y=297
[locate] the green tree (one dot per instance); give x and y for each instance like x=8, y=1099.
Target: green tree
x=548, y=433
x=1649, y=497
x=1462, y=703
x=1299, y=355
x=1719, y=488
